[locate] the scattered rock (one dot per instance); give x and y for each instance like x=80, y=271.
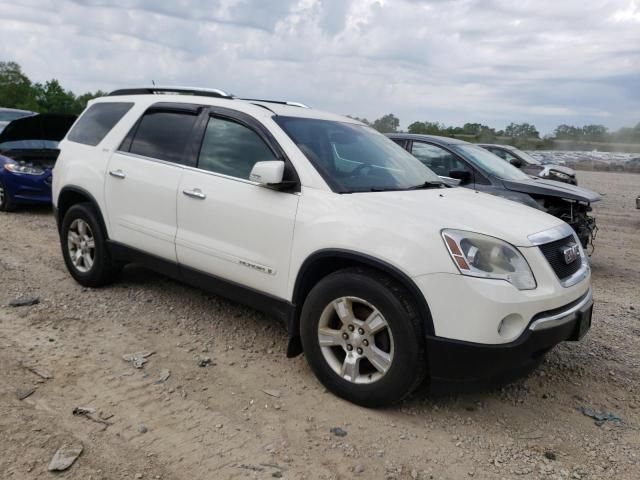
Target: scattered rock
x=550, y=455
x=23, y=393
x=277, y=474
x=204, y=362
x=359, y=468
x=272, y=393
x=600, y=417
x=41, y=372
x=164, y=375
x=137, y=359
x=142, y=428
x=24, y=302
x=64, y=457
x=338, y=432
x=89, y=413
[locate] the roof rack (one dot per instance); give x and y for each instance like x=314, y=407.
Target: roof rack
x=167, y=90
x=279, y=102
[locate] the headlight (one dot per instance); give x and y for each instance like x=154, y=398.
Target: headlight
x=17, y=168
x=478, y=255
x=563, y=176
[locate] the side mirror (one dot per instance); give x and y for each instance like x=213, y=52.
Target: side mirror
x=516, y=162
x=463, y=175
x=267, y=173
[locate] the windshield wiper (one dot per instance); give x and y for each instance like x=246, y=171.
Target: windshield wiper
x=425, y=185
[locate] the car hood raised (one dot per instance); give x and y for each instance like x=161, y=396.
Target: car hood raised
x=551, y=188
x=45, y=126
x=422, y=212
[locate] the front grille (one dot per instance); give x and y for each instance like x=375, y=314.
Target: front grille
x=553, y=253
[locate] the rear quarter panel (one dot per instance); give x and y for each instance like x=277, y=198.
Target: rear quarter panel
x=85, y=166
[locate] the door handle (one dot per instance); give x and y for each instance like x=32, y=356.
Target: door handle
x=195, y=193
x=117, y=174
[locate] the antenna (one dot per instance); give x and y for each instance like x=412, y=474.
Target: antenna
x=153, y=82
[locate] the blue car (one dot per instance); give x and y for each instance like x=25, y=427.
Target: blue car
x=28, y=152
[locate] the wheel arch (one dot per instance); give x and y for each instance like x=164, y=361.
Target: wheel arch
x=324, y=262
x=72, y=195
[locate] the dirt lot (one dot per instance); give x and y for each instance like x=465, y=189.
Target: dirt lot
x=217, y=421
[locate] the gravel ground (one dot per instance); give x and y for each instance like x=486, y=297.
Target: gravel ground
x=252, y=413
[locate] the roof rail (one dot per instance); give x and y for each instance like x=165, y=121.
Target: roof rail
x=279, y=102
x=150, y=90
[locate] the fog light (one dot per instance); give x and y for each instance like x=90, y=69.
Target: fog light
x=511, y=326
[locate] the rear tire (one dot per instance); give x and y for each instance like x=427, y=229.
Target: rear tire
x=363, y=337
x=6, y=205
x=84, y=247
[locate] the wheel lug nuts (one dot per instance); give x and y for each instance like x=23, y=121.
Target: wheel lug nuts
x=345, y=335
x=351, y=328
x=349, y=347
x=365, y=343
x=359, y=350
x=361, y=331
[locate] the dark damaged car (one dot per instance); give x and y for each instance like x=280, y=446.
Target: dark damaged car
x=474, y=167
x=530, y=165
x=28, y=152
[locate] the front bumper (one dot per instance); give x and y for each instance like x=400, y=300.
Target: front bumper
x=28, y=189
x=466, y=363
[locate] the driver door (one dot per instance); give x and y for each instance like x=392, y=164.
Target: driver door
x=229, y=226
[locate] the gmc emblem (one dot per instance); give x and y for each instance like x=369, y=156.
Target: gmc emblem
x=571, y=253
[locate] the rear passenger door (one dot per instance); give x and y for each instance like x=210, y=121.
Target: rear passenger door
x=229, y=226
x=143, y=178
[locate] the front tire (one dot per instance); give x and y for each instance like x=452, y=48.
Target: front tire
x=84, y=247
x=363, y=337
x=6, y=205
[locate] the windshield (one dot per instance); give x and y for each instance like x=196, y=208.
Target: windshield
x=490, y=163
x=526, y=157
x=356, y=158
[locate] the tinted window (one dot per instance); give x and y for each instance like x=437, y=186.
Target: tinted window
x=97, y=121
x=163, y=135
x=231, y=149
x=437, y=159
x=355, y=158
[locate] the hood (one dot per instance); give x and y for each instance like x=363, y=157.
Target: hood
x=426, y=212
x=551, y=188
x=45, y=126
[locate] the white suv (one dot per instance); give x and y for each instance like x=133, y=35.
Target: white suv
x=383, y=275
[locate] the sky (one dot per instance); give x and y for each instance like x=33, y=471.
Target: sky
x=452, y=61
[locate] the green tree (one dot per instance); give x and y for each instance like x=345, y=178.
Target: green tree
x=82, y=100
x=51, y=97
x=427, y=128
x=16, y=90
x=521, y=130
x=594, y=133
x=387, y=124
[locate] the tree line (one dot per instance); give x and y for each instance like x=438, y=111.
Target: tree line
x=514, y=132
x=18, y=91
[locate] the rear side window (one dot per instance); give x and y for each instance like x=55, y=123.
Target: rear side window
x=232, y=149
x=97, y=121
x=163, y=135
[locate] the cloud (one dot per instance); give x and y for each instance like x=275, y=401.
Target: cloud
x=492, y=61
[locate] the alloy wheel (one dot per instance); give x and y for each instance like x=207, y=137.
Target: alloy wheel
x=355, y=340
x=81, y=245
